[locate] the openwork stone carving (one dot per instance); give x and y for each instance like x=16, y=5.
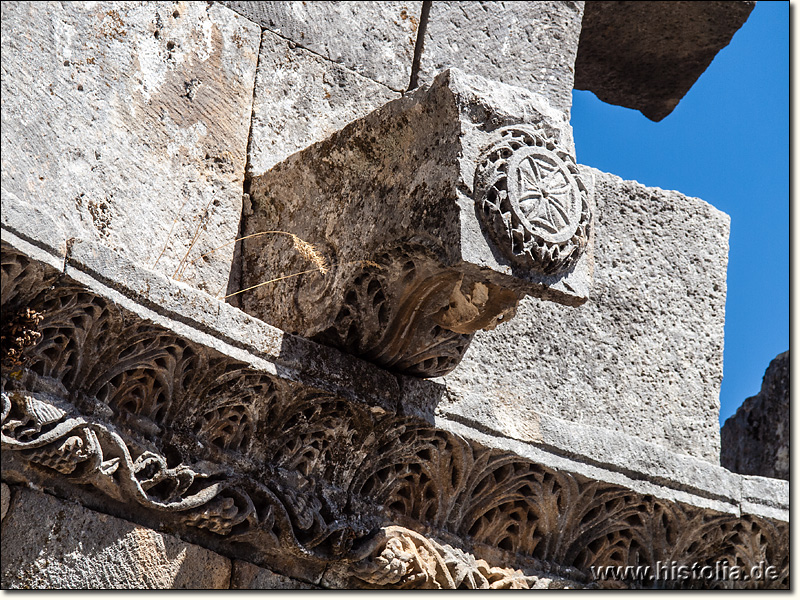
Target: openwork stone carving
x=403, y=559
x=160, y=423
x=532, y=200
x=276, y=516
x=405, y=313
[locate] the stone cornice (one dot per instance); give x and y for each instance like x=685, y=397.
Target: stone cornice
x=183, y=411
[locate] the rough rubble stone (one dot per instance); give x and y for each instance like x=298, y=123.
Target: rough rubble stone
x=119, y=118
x=642, y=357
x=247, y=576
x=375, y=39
x=646, y=55
x=52, y=544
x=301, y=98
x=529, y=44
x=755, y=440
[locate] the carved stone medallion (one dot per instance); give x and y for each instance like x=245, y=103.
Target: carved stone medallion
x=532, y=200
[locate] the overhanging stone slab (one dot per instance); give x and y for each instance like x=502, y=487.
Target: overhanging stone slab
x=646, y=55
x=151, y=418
x=435, y=214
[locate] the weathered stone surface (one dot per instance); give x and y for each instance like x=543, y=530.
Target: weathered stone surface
x=247, y=576
x=302, y=98
x=755, y=440
x=402, y=558
x=119, y=118
x=52, y=544
x=767, y=496
x=642, y=357
x=434, y=213
x=646, y=55
x=5, y=500
x=375, y=39
x=529, y=44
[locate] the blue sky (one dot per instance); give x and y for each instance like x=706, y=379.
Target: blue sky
x=726, y=142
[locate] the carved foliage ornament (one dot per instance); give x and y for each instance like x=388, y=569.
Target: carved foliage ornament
x=329, y=472
x=405, y=313
x=532, y=200
x=403, y=559
x=270, y=514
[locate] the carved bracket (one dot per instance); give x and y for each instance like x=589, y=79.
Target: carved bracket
x=406, y=313
x=437, y=212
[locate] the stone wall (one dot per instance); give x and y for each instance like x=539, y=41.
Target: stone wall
x=497, y=369
x=191, y=418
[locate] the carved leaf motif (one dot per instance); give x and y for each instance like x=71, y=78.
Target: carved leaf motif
x=404, y=559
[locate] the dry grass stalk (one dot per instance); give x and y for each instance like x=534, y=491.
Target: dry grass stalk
x=169, y=235
x=304, y=248
x=309, y=252
x=364, y=263
x=200, y=227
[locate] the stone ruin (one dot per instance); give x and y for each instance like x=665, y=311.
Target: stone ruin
x=497, y=367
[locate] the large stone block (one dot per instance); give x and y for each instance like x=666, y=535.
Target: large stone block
x=643, y=356
x=529, y=44
x=128, y=122
x=646, y=55
x=52, y=544
x=755, y=441
x=375, y=39
x=302, y=98
x=435, y=214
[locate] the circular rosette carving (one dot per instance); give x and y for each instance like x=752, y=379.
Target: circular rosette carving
x=532, y=200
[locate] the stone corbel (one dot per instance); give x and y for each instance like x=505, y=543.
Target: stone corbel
x=437, y=214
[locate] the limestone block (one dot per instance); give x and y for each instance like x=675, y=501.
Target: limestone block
x=128, y=122
x=643, y=356
x=52, y=544
x=646, y=55
x=434, y=213
x=247, y=576
x=301, y=98
x=755, y=441
x=5, y=500
x=375, y=39
x=768, y=496
x=529, y=44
